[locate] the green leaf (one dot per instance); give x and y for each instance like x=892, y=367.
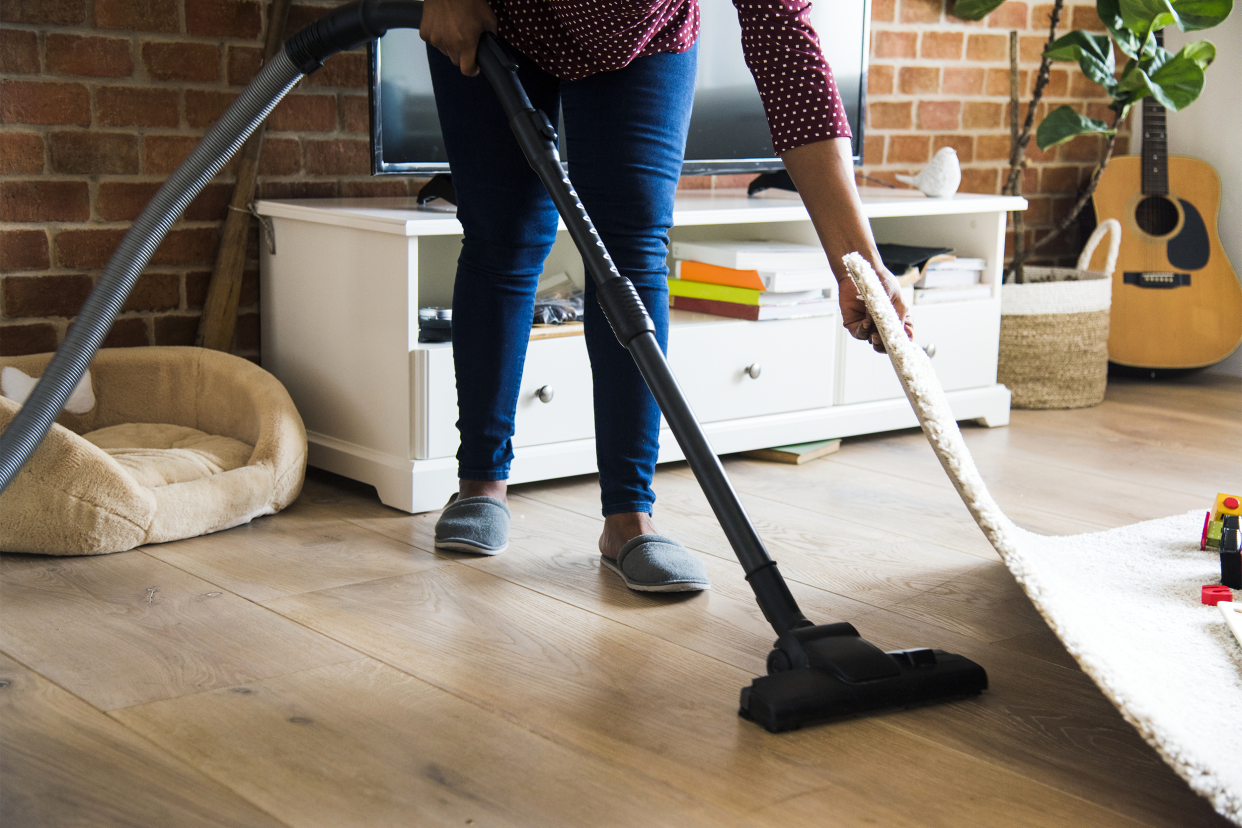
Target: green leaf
x=1094, y=53
x=1063, y=124
x=1201, y=14
x=1127, y=41
x=975, y=9
x=1141, y=16
x=1202, y=52
x=1180, y=80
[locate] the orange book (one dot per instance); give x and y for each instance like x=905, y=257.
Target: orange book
x=717, y=275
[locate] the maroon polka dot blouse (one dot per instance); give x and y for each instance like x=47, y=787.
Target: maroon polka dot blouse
x=572, y=39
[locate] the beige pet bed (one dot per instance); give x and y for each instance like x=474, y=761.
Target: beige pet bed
x=156, y=444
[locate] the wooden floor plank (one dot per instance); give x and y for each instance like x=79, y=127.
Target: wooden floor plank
x=63, y=763
x=360, y=744
x=126, y=628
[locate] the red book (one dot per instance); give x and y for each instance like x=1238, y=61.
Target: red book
x=758, y=313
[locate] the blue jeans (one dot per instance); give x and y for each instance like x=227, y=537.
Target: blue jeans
x=626, y=137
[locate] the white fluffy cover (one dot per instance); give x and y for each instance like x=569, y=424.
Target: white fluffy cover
x=1125, y=602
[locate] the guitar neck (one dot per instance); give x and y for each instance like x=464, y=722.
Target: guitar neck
x=1155, y=144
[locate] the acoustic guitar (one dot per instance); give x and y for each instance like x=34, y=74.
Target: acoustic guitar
x=1176, y=299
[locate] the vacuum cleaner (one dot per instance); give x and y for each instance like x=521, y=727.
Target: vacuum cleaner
x=815, y=672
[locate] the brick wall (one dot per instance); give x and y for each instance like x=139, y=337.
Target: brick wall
x=101, y=99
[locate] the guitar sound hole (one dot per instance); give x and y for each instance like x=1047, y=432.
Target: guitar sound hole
x=1156, y=216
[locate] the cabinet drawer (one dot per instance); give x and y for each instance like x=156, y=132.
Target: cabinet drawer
x=965, y=336
x=559, y=365
x=795, y=358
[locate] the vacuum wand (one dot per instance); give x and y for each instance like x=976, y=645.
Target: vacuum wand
x=815, y=672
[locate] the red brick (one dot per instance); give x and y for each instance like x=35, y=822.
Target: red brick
x=136, y=106
x=918, y=80
x=1083, y=87
x=193, y=246
x=301, y=16
x=962, y=80
x=19, y=52
x=196, y=283
x=889, y=115
x=54, y=12
x=964, y=144
x=127, y=333
x=176, y=330
x=248, y=296
x=883, y=11
x=280, y=156
x=337, y=157
x=880, y=79
x=907, y=149
x=688, y=182
x=385, y=187
x=154, y=292
x=1100, y=111
x=304, y=113
x=980, y=181
x=43, y=200
x=1031, y=48
x=212, y=204
x=347, y=70
x=96, y=57
x=23, y=250
x=1060, y=179
x=993, y=47
x=143, y=15
x=204, y=108
x=1058, y=84
x=1038, y=211
x=896, y=44
x=93, y=153
x=997, y=83
x=86, y=248
x=1085, y=18
x=21, y=153
x=242, y=64
x=181, y=61
x=873, y=149
x=164, y=153
x=992, y=148
x=887, y=176
x=939, y=115
x=942, y=45
x=355, y=114
x=246, y=334
x=1030, y=180
x=1041, y=16
x=124, y=200
x=27, y=297
x=19, y=340
x=224, y=18
x=1011, y=15
x=31, y=102
x=983, y=115
x=1083, y=148
x=921, y=11
x=298, y=189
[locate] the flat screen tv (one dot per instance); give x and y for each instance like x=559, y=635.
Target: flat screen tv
x=728, y=130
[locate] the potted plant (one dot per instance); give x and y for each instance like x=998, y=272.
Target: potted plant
x=1054, y=321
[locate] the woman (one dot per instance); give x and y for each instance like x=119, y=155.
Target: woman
x=622, y=72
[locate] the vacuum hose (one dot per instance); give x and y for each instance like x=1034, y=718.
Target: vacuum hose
x=343, y=29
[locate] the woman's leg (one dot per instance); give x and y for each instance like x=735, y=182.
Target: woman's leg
x=626, y=134
x=509, y=225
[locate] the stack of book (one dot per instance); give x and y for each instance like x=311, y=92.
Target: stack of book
x=950, y=279
x=757, y=280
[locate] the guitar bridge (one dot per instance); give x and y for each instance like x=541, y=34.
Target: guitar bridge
x=1149, y=279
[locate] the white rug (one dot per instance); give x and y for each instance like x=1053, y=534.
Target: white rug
x=1124, y=602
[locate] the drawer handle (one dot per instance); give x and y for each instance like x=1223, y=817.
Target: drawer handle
x=929, y=349
x=754, y=370
x=545, y=394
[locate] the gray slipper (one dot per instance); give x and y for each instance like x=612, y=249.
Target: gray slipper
x=654, y=563
x=474, y=524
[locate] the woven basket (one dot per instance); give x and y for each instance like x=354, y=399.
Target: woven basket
x=1054, y=331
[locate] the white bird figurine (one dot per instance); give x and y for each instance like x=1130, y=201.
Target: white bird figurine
x=940, y=178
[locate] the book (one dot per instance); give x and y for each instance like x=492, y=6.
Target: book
x=955, y=263
x=968, y=293
x=781, y=281
x=798, y=453
x=751, y=255
x=944, y=278
x=755, y=313
x=743, y=296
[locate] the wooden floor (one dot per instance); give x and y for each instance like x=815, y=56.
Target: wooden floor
x=324, y=667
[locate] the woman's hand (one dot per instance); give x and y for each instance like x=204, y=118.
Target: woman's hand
x=854, y=313
x=455, y=26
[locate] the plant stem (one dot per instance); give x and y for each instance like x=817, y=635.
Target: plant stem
x=1041, y=81
x=1014, y=185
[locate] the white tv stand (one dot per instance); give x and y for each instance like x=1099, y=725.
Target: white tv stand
x=340, y=301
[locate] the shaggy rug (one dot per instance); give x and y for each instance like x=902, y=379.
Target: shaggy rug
x=1169, y=663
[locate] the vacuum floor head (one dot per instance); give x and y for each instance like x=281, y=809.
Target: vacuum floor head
x=829, y=672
